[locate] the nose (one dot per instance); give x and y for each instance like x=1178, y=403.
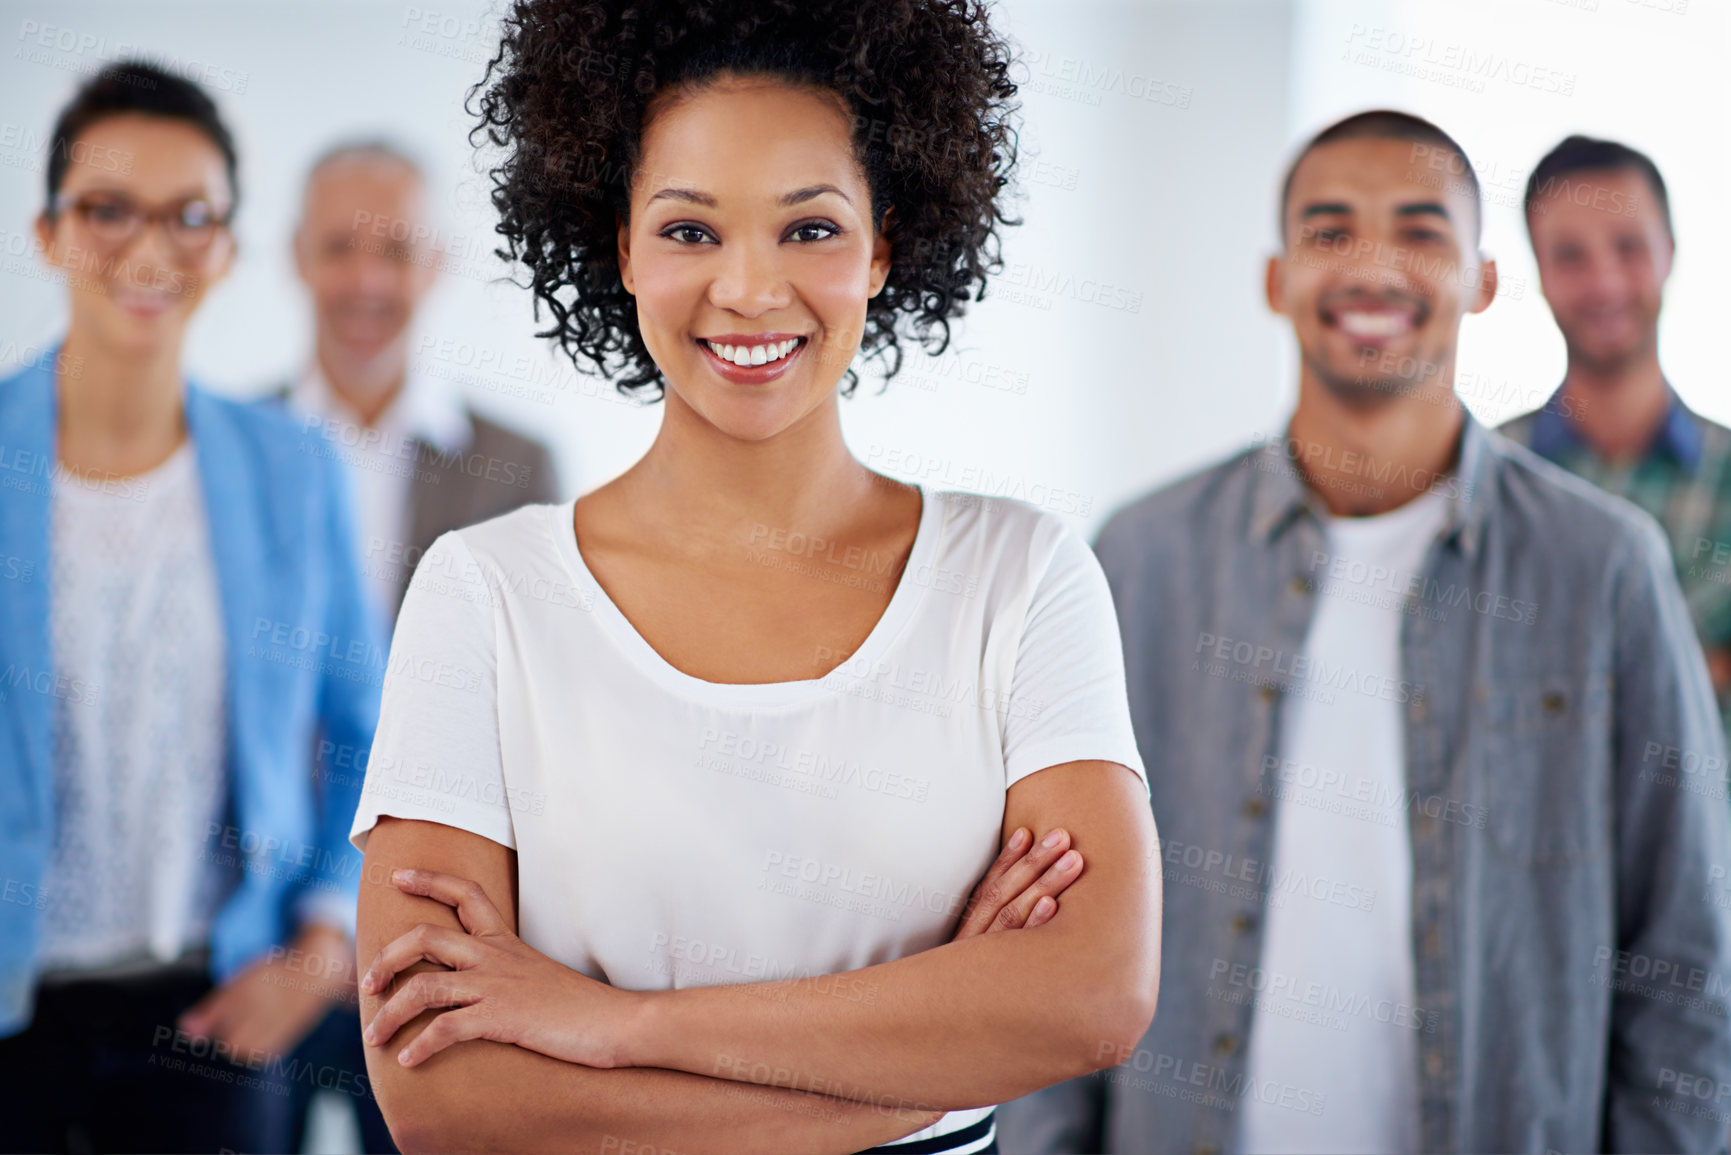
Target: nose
x=750, y=280
x=1602, y=278
x=149, y=258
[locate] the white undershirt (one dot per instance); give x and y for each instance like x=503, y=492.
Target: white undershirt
x=672, y=832
x=382, y=460
x=138, y=724
x=1335, y=1011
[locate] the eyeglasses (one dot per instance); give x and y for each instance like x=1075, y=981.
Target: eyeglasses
x=114, y=219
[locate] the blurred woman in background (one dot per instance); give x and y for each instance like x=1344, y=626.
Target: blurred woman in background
x=184, y=622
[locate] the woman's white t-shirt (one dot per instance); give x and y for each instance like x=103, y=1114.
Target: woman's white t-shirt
x=672, y=832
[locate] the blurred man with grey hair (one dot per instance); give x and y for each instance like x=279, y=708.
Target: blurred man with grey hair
x=420, y=460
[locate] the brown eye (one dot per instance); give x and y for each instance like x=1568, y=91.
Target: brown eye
x=108, y=211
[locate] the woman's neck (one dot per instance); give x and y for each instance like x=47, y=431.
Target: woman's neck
x=804, y=478
x=119, y=412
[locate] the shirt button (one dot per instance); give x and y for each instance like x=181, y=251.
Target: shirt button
x=1301, y=584
x=1255, y=806
x=1419, y=710
x=1268, y=691
x=1432, y=941
x=1207, y=1149
x=1433, y=1064
x=1243, y=923
x=1225, y=1044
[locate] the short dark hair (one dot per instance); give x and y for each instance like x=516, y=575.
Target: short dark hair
x=1386, y=124
x=133, y=86
x=1588, y=154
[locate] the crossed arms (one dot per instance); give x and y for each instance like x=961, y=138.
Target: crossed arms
x=761, y=1066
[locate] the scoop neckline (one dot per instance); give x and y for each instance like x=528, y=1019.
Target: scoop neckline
x=903, y=602
x=169, y=471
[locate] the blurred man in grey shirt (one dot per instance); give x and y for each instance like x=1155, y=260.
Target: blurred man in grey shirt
x=1434, y=752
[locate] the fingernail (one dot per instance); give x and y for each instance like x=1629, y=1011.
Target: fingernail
x=399, y=876
x=1053, y=839
x=1070, y=860
x=1045, y=904
x=367, y=982
x=368, y=1033
x=1019, y=839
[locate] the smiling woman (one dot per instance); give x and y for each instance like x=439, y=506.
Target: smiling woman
x=680, y=834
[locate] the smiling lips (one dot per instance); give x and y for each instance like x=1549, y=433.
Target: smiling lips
x=752, y=358
x=1374, y=321
x=748, y=353
x=144, y=302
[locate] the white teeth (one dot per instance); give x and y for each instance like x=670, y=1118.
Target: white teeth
x=749, y=355
x=1375, y=324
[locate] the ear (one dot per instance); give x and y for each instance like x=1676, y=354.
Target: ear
x=303, y=258
x=44, y=229
x=427, y=271
x=220, y=270
x=1487, y=290
x=1274, y=284
x=880, y=255
x=625, y=257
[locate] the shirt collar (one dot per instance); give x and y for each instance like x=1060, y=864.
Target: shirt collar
x=422, y=410
x=1279, y=495
x=1678, y=436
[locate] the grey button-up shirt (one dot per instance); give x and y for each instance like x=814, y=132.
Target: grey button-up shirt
x=1566, y=801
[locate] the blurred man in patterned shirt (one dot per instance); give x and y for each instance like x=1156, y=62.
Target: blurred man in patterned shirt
x=1600, y=223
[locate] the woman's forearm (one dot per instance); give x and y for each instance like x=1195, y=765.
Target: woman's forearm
x=493, y=1096
x=969, y=1023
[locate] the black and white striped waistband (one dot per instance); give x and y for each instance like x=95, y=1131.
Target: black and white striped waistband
x=977, y=1138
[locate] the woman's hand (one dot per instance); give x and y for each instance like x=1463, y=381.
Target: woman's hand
x=268, y=1008
x=1021, y=890
x=499, y=987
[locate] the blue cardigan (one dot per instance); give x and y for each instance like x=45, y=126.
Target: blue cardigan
x=305, y=661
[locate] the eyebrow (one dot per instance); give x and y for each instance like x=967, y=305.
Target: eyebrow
x=1340, y=208
x=796, y=197
x=1424, y=208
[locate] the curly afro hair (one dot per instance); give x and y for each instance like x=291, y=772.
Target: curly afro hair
x=926, y=83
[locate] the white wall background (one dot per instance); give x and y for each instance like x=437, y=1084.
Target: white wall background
x=1130, y=315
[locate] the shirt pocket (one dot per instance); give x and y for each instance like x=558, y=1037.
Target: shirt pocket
x=1545, y=755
